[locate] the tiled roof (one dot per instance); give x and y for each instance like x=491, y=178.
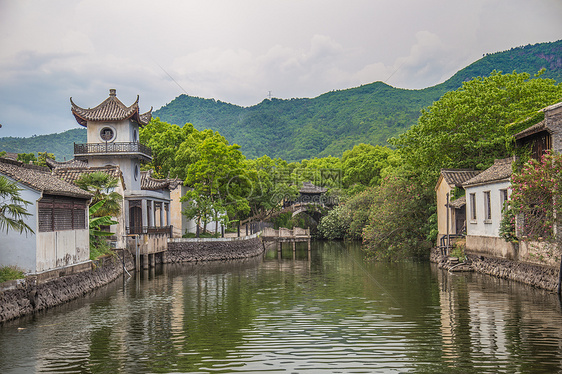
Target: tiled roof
x=71, y=174
x=500, y=171
x=308, y=187
x=112, y=109
x=152, y=184
x=458, y=176
x=39, y=178
x=74, y=163
x=536, y=128
x=458, y=203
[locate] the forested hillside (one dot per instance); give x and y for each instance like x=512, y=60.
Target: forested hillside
x=61, y=145
x=335, y=121
x=329, y=124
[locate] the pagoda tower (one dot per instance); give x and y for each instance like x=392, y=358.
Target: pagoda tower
x=113, y=137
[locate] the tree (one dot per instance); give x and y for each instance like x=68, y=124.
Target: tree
x=271, y=184
x=466, y=128
x=217, y=179
x=12, y=208
x=26, y=158
x=102, y=185
x=399, y=224
x=362, y=165
x=164, y=140
x=99, y=246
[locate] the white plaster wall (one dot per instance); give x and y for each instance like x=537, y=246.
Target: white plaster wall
x=19, y=249
x=62, y=248
x=478, y=227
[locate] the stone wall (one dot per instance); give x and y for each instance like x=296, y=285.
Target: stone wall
x=18, y=298
x=212, y=250
x=545, y=277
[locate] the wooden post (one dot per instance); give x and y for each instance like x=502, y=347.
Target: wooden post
x=294, y=245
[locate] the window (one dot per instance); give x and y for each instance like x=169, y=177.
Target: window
x=473, y=207
x=57, y=213
x=503, y=199
x=107, y=134
x=487, y=207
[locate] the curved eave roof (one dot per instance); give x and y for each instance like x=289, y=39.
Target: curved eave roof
x=111, y=109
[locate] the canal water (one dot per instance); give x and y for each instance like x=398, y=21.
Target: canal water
x=327, y=311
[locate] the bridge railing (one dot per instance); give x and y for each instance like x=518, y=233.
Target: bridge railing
x=296, y=232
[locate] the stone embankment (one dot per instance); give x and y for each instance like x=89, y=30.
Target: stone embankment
x=544, y=277
x=31, y=295
x=194, y=250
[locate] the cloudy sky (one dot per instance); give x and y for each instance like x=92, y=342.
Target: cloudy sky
x=239, y=50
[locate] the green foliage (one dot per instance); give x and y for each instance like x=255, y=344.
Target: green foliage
x=458, y=250
x=98, y=248
x=271, y=185
x=507, y=226
x=217, y=178
x=335, y=224
x=165, y=139
x=98, y=245
x=535, y=189
x=8, y=273
x=399, y=222
x=12, y=208
x=26, y=158
x=299, y=129
x=102, y=186
x=61, y=144
x=363, y=164
x=42, y=158
x=466, y=128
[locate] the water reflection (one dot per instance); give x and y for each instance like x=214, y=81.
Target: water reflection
x=294, y=311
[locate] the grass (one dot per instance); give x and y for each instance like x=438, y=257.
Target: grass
x=8, y=273
x=99, y=247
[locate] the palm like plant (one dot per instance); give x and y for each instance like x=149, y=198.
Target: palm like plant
x=12, y=208
x=101, y=184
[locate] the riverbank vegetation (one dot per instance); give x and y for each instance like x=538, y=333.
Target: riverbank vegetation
x=386, y=195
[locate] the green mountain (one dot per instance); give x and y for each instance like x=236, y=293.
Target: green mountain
x=61, y=144
x=335, y=121
x=329, y=124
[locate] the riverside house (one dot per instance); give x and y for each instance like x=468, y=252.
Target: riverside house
x=487, y=193
x=451, y=201
x=58, y=216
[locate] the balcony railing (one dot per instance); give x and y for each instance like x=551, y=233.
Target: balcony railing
x=97, y=148
x=150, y=230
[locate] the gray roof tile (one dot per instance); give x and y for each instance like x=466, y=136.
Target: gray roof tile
x=500, y=171
x=111, y=109
x=40, y=178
